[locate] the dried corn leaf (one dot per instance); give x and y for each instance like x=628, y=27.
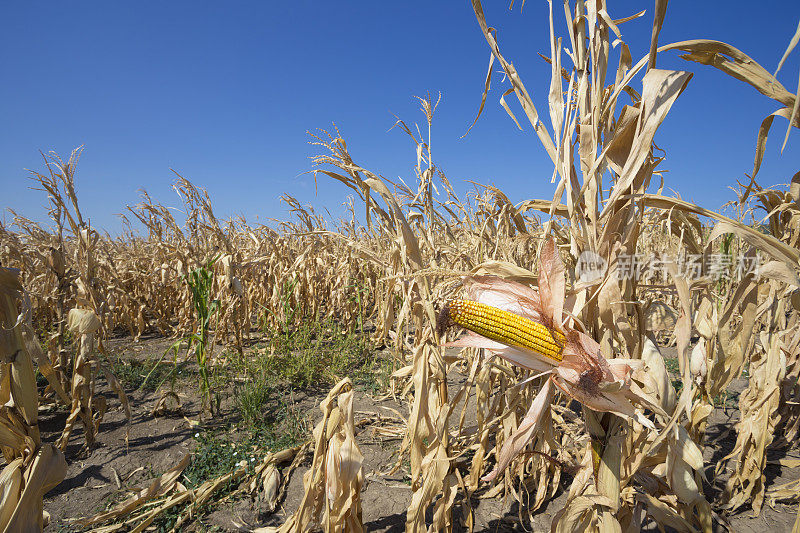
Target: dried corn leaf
x=161, y=486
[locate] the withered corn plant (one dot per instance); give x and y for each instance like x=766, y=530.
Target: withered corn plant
x=333, y=483
x=32, y=468
x=77, y=279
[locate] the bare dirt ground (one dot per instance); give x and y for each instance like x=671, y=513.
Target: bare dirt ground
x=128, y=455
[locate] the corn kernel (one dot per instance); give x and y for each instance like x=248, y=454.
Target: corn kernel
x=507, y=327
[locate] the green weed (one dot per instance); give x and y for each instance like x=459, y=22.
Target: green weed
x=727, y=399
x=673, y=368
x=288, y=313
x=273, y=422
x=317, y=354
x=135, y=374
x=41, y=381
x=253, y=399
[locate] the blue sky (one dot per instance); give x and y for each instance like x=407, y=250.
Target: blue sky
x=224, y=93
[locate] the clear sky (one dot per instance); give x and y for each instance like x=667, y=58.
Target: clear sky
x=224, y=92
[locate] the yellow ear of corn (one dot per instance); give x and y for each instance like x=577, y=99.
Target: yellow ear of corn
x=506, y=327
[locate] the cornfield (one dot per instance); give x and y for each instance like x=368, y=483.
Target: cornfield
x=563, y=384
